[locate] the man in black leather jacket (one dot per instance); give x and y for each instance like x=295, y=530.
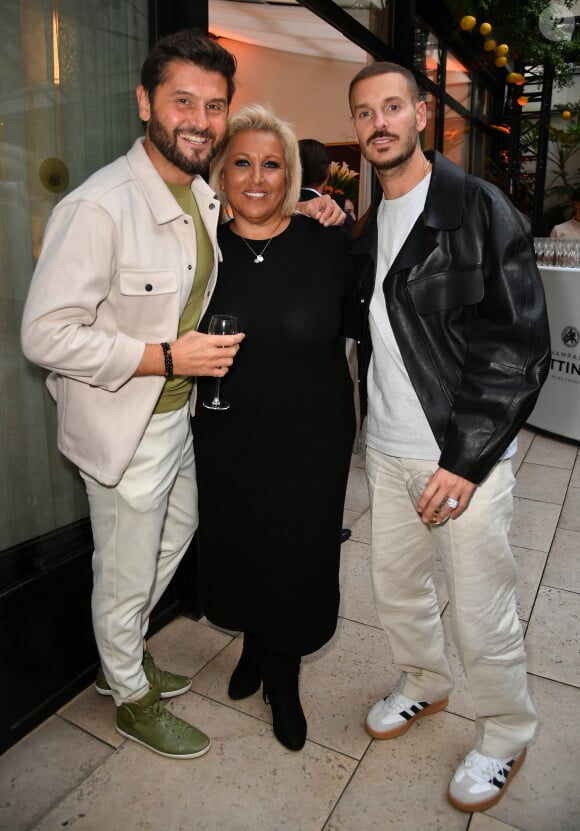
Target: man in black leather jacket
x=453, y=349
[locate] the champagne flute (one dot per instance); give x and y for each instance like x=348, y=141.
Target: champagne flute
x=220, y=325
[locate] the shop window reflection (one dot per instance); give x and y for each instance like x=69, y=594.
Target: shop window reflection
x=456, y=138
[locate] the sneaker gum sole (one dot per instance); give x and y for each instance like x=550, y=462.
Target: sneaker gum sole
x=160, y=752
x=436, y=707
x=170, y=694
x=492, y=800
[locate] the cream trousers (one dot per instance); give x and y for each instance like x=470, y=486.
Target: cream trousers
x=481, y=577
x=142, y=527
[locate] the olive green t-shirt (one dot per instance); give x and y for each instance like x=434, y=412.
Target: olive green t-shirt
x=177, y=390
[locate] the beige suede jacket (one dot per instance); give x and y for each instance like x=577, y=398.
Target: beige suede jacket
x=115, y=272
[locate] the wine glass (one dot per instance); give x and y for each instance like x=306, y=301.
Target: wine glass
x=220, y=325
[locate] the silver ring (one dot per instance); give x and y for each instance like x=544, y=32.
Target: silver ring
x=453, y=503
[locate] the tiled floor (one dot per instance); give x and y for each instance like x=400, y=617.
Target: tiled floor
x=76, y=772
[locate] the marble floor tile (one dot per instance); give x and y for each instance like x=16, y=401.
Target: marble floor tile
x=483, y=822
x=356, y=592
x=94, y=713
x=185, y=646
x=42, y=768
x=357, y=494
x=361, y=529
x=525, y=439
x=246, y=781
x=563, y=567
x=575, y=480
x=550, y=451
x=338, y=685
x=530, y=565
x=552, y=642
x=533, y=524
x=349, y=518
x=401, y=784
x=541, y=482
x=544, y=795
x=570, y=518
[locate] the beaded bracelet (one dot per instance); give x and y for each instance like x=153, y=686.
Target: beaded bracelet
x=168, y=360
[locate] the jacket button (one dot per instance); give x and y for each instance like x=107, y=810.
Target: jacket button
x=358, y=342
x=186, y=221
x=148, y=287
x=189, y=267
x=211, y=206
x=362, y=300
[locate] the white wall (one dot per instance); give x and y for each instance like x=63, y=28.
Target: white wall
x=309, y=92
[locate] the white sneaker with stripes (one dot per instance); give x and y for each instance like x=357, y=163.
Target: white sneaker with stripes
x=481, y=781
x=392, y=716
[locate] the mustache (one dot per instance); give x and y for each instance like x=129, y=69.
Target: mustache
x=381, y=134
x=208, y=133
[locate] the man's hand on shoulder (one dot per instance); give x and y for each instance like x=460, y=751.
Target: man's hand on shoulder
x=324, y=209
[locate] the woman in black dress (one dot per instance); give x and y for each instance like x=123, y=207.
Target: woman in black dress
x=272, y=469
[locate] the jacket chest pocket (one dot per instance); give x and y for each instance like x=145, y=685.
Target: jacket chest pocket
x=446, y=290
x=145, y=283
x=147, y=305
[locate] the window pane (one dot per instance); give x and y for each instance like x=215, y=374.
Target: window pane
x=455, y=138
x=374, y=15
x=427, y=53
x=67, y=106
x=457, y=81
x=479, y=152
x=428, y=134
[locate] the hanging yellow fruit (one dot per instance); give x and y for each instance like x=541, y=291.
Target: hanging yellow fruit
x=485, y=29
x=468, y=22
x=501, y=61
x=502, y=49
x=489, y=45
x=566, y=114
x=514, y=78
x=523, y=100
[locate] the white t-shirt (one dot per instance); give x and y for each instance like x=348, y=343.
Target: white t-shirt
x=396, y=423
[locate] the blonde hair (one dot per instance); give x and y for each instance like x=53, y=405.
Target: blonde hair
x=259, y=117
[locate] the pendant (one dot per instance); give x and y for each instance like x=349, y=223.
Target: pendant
x=259, y=259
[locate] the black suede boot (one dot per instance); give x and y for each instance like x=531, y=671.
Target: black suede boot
x=247, y=676
x=281, y=692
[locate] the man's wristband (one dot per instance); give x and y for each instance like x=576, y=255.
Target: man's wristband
x=168, y=360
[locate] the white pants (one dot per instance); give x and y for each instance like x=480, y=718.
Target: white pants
x=142, y=527
x=481, y=576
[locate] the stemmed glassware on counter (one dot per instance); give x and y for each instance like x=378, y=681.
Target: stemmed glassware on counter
x=562, y=253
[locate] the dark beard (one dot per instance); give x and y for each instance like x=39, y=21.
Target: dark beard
x=405, y=155
x=167, y=145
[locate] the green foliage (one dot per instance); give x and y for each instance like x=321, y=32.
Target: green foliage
x=516, y=23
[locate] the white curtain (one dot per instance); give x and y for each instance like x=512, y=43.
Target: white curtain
x=68, y=71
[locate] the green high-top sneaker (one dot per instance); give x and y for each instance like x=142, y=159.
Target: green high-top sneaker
x=149, y=723
x=168, y=683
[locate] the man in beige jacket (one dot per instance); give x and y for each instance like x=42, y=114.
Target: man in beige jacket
x=128, y=265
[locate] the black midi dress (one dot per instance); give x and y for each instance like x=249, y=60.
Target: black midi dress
x=272, y=470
